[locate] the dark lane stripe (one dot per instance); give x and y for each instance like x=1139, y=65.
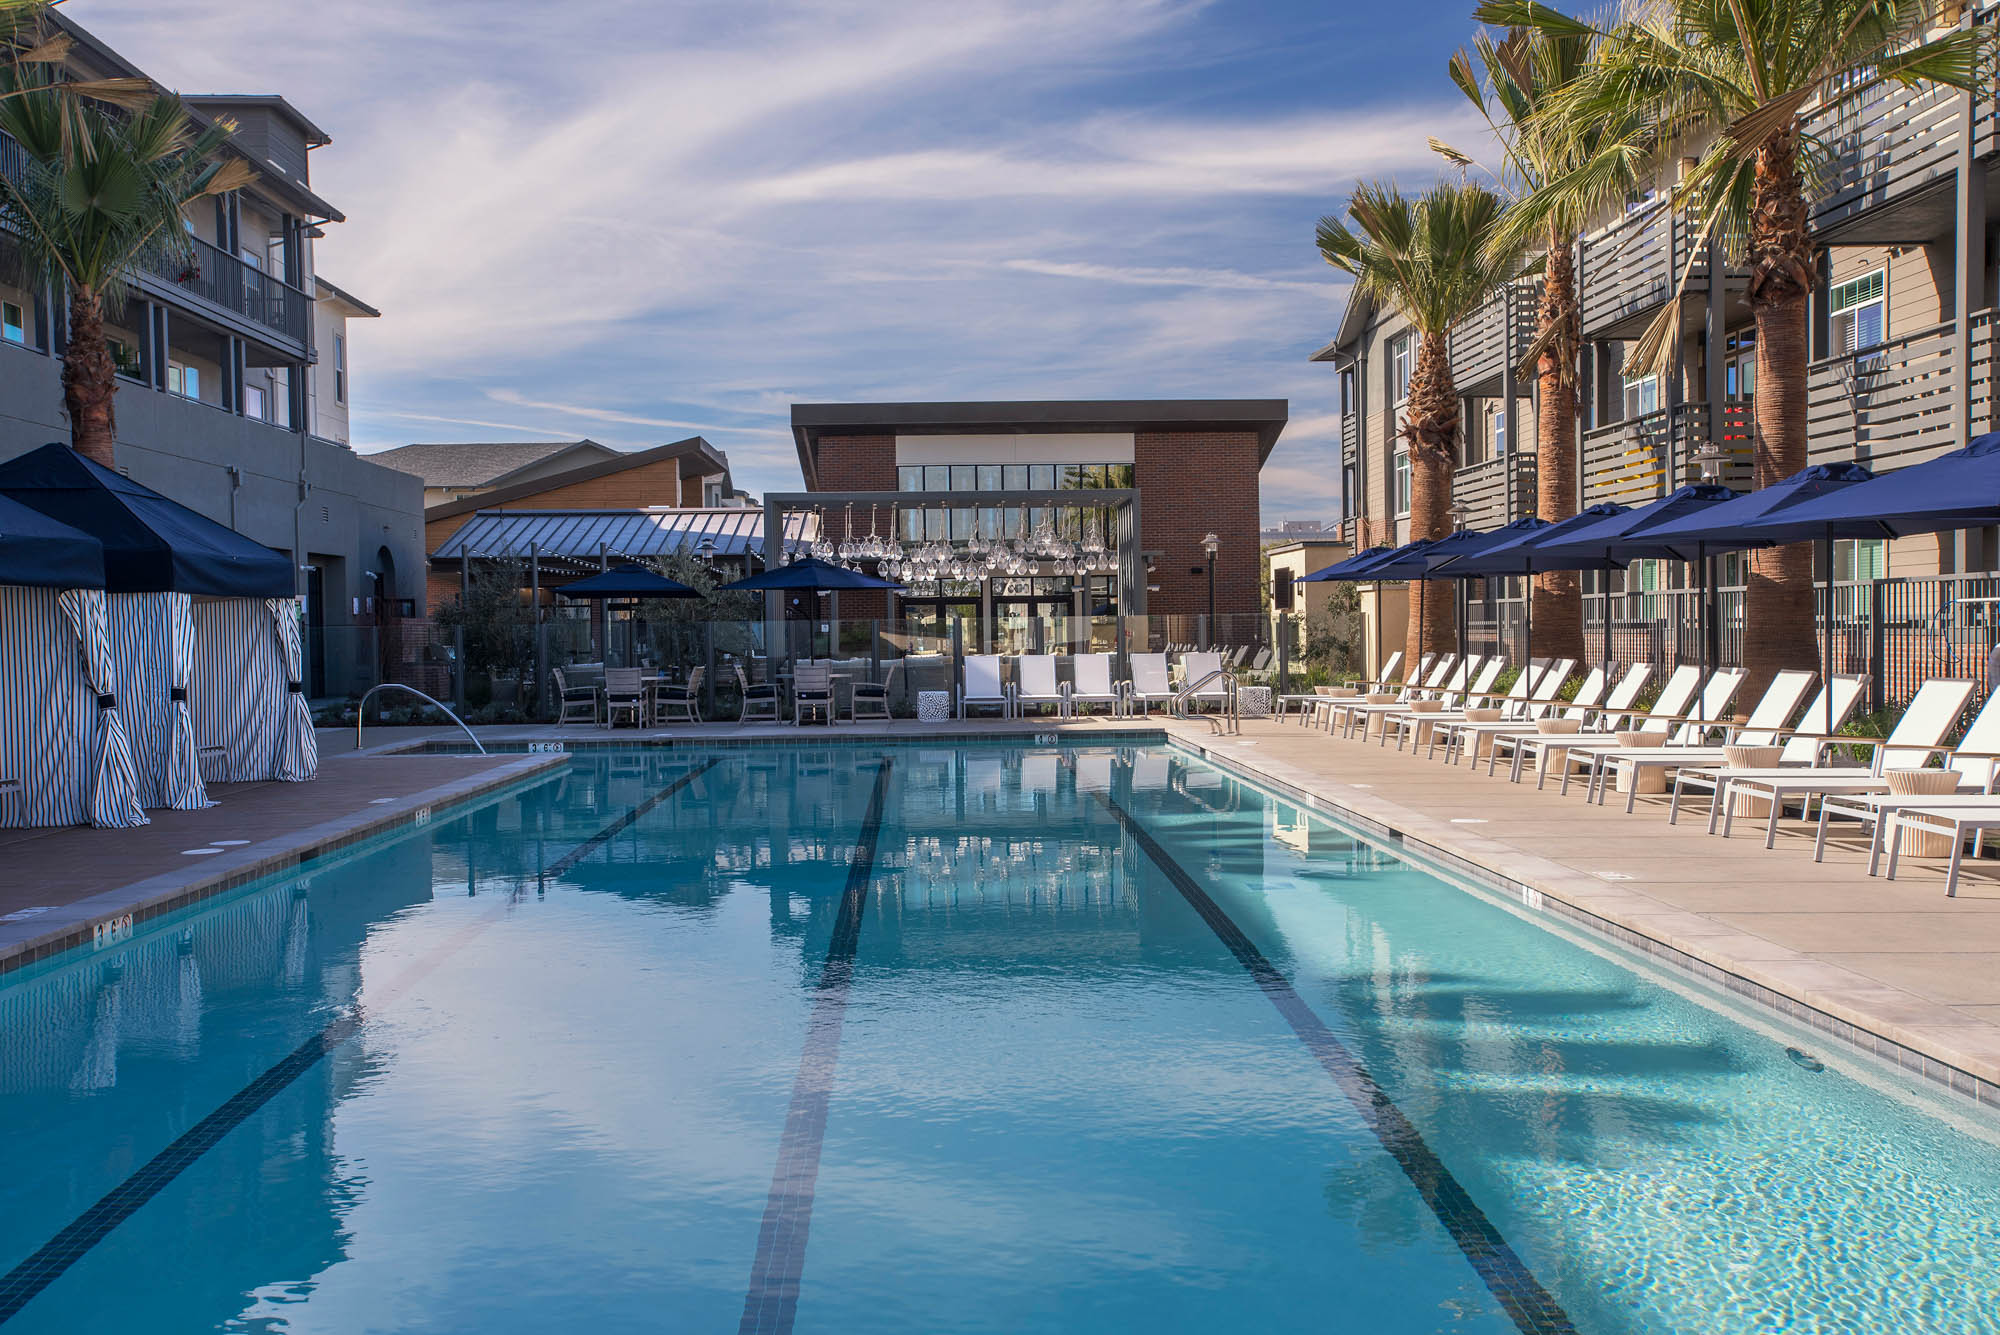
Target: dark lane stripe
x=598, y=840
x=20, y=1285
x=1533, y=1308
x=773, y=1300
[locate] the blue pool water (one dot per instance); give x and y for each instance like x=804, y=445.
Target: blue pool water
x=938, y=1039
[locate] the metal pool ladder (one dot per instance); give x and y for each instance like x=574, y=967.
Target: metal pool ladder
x=1178, y=705
x=361, y=711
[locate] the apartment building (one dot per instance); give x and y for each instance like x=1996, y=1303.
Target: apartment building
x=235, y=379
x=1903, y=328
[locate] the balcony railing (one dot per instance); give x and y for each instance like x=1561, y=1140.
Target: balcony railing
x=1630, y=268
x=1883, y=143
x=1644, y=458
x=223, y=280
x=1891, y=404
x=216, y=276
x=1496, y=491
x=1496, y=334
x=1350, y=439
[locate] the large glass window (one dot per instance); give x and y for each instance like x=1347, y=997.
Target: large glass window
x=1642, y=395
x=989, y=477
x=964, y=477
x=13, y=322
x=1042, y=477
x=1861, y=559
x=910, y=477
x=1402, y=483
x=937, y=477
x=1400, y=355
x=1859, y=311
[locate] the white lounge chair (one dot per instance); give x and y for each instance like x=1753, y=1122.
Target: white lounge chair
x=982, y=687
x=1917, y=736
x=1589, y=705
x=1803, y=745
x=1304, y=701
x=1695, y=728
x=1092, y=684
x=1409, y=722
x=1531, y=696
x=1201, y=668
x=1360, y=714
x=1035, y=684
x=1339, y=709
x=1149, y=682
x=1973, y=761
x=1683, y=685
x=1764, y=727
x=1954, y=819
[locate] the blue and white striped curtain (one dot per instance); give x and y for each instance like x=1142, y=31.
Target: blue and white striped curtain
x=239, y=688
x=298, y=744
x=47, y=712
x=114, y=788
x=181, y=783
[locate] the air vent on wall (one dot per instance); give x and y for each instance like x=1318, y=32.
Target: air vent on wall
x=324, y=515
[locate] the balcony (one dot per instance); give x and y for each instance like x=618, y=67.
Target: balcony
x=1884, y=145
x=222, y=285
x=1629, y=270
x=1891, y=404
x=1496, y=491
x=1644, y=458
x=1497, y=335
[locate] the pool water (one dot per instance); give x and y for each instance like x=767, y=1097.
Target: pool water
x=982, y=1038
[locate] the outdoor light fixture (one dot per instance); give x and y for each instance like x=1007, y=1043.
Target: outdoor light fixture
x=1709, y=460
x=1461, y=515
x=1210, y=544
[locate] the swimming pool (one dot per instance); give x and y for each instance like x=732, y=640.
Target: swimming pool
x=967, y=1038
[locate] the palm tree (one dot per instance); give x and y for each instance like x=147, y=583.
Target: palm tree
x=1733, y=79
x=1432, y=259
x=104, y=189
x=1512, y=81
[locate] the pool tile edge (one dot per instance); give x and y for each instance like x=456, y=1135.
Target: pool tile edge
x=1944, y=1059
x=74, y=924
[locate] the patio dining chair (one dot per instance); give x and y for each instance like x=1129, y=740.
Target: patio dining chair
x=575, y=704
x=812, y=691
x=870, y=699
x=682, y=702
x=982, y=687
x=760, y=699
x=624, y=693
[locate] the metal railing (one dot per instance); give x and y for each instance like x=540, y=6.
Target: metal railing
x=1177, y=706
x=1882, y=143
x=361, y=711
x=223, y=279
x=1496, y=491
x=1644, y=458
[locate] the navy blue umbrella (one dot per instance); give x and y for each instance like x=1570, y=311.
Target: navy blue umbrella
x=628, y=581
x=1344, y=570
x=45, y=552
x=812, y=575
x=1450, y=566
x=1632, y=535
x=1956, y=490
x=151, y=544
x=1523, y=554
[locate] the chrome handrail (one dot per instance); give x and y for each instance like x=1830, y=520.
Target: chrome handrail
x=361, y=710
x=1230, y=710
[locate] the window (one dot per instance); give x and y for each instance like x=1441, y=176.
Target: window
x=124, y=356
x=1739, y=366
x=1642, y=396
x=253, y=401
x=937, y=477
x=989, y=477
x=13, y=323
x=1402, y=483
x=910, y=477
x=184, y=380
x=1860, y=560
x=340, y=368
x=1347, y=392
x=1496, y=433
x=964, y=477
x=1859, y=310
x=1399, y=368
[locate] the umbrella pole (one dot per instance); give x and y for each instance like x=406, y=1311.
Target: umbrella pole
x=1604, y=600
x=1826, y=646
x=1528, y=619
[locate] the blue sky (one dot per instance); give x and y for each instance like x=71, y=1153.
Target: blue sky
x=637, y=222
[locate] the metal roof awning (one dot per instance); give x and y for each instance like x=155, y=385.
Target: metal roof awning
x=581, y=535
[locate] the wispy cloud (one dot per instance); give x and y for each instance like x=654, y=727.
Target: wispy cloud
x=628, y=220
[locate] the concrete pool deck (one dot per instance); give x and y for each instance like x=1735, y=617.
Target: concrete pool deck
x=1893, y=967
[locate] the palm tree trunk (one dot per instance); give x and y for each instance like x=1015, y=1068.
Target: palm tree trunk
x=1430, y=427
x=89, y=381
x=1778, y=604
x=1558, y=595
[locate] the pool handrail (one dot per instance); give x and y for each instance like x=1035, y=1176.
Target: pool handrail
x=361, y=710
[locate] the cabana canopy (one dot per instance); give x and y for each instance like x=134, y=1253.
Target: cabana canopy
x=812, y=574
x=1956, y=490
x=628, y=581
x=42, y=552
x=150, y=544
x=1761, y=517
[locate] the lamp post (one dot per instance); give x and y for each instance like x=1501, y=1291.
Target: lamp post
x=1709, y=459
x=1210, y=544
x=1461, y=516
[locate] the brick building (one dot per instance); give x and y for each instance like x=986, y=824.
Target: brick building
x=1193, y=462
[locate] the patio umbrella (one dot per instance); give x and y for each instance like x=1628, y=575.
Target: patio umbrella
x=1523, y=554
x=1452, y=566
x=1344, y=569
x=1629, y=536
x=1956, y=490
x=628, y=581
x=1398, y=563
x=812, y=575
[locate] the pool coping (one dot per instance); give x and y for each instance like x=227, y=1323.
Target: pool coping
x=116, y=912
x=1538, y=884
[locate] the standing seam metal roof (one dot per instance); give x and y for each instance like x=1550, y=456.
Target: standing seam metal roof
x=576, y=534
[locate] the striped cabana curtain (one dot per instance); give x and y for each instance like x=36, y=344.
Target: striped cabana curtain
x=237, y=687
x=298, y=745
x=114, y=788
x=47, y=712
x=181, y=783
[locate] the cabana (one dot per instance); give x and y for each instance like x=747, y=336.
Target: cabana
x=64, y=755
x=205, y=626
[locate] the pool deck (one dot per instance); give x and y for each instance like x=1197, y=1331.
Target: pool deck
x=62, y=885
x=1876, y=959
x=1894, y=967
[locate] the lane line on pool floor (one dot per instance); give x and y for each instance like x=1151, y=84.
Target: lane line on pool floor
x=1532, y=1308
x=24, y=1282
x=771, y=1305
x=621, y=822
